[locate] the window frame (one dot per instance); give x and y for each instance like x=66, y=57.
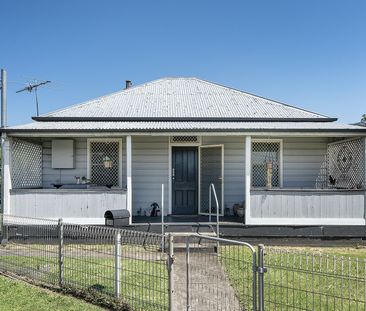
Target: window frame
x=105, y=140
x=280, y=173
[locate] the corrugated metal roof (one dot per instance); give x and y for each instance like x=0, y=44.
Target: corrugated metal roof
x=187, y=98
x=362, y=123
x=125, y=126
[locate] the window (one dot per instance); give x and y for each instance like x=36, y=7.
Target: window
x=104, y=162
x=266, y=163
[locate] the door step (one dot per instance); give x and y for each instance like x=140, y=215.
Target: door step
x=198, y=242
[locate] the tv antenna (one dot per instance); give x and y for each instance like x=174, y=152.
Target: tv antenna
x=34, y=86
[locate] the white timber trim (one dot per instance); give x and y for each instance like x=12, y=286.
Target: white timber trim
x=304, y=221
x=129, y=175
x=364, y=180
x=248, y=176
x=273, y=140
x=170, y=169
x=88, y=166
x=6, y=173
x=170, y=181
x=222, y=146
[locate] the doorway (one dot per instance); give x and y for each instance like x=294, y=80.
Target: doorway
x=211, y=173
x=185, y=180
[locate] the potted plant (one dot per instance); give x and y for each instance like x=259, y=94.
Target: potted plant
x=238, y=209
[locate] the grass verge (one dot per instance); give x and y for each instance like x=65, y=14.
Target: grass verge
x=89, y=273
x=302, y=278
x=18, y=295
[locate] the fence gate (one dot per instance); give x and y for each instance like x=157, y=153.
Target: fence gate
x=215, y=274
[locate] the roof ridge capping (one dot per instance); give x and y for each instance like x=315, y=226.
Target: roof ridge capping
x=180, y=119
x=209, y=103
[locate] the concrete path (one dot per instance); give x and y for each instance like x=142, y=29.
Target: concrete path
x=210, y=288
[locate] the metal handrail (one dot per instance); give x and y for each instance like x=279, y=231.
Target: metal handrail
x=212, y=188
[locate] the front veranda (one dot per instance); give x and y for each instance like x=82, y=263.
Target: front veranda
x=293, y=180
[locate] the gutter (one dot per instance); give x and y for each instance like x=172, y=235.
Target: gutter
x=180, y=119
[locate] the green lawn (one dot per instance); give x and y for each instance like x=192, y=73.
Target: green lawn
x=298, y=278
x=18, y=295
x=144, y=277
x=302, y=278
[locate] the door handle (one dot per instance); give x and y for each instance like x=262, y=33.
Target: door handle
x=173, y=173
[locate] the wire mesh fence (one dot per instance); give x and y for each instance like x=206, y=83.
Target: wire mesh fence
x=299, y=280
x=32, y=249
x=123, y=264
x=205, y=273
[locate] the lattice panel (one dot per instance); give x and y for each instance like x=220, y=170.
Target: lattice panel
x=346, y=168
x=105, y=163
x=184, y=139
x=26, y=164
x=264, y=153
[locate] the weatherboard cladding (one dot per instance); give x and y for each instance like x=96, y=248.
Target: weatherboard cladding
x=181, y=98
x=302, y=160
x=50, y=175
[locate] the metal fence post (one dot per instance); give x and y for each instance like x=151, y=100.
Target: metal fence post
x=261, y=271
x=171, y=271
x=4, y=232
x=162, y=220
x=61, y=275
x=254, y=284
x=188, y=298
x=117, y=264
x=1, y=223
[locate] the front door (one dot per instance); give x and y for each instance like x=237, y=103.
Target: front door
x=184, y=180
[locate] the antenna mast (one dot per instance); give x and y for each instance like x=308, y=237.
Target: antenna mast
x=3, y=98
x=34, y=87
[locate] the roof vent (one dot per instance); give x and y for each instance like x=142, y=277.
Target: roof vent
x=185, y=139
x=128, y=84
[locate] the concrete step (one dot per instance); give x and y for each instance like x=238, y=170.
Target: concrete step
x=191, y=229
x=181, y=237
x=203, y=248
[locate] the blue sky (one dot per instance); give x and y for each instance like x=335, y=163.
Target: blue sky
x=311, y=54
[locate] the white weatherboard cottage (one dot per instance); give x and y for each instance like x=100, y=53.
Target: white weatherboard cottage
x=285, y=165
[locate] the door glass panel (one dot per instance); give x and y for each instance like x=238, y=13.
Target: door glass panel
x=211, y=172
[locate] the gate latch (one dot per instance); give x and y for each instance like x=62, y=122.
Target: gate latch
x=261, y=270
